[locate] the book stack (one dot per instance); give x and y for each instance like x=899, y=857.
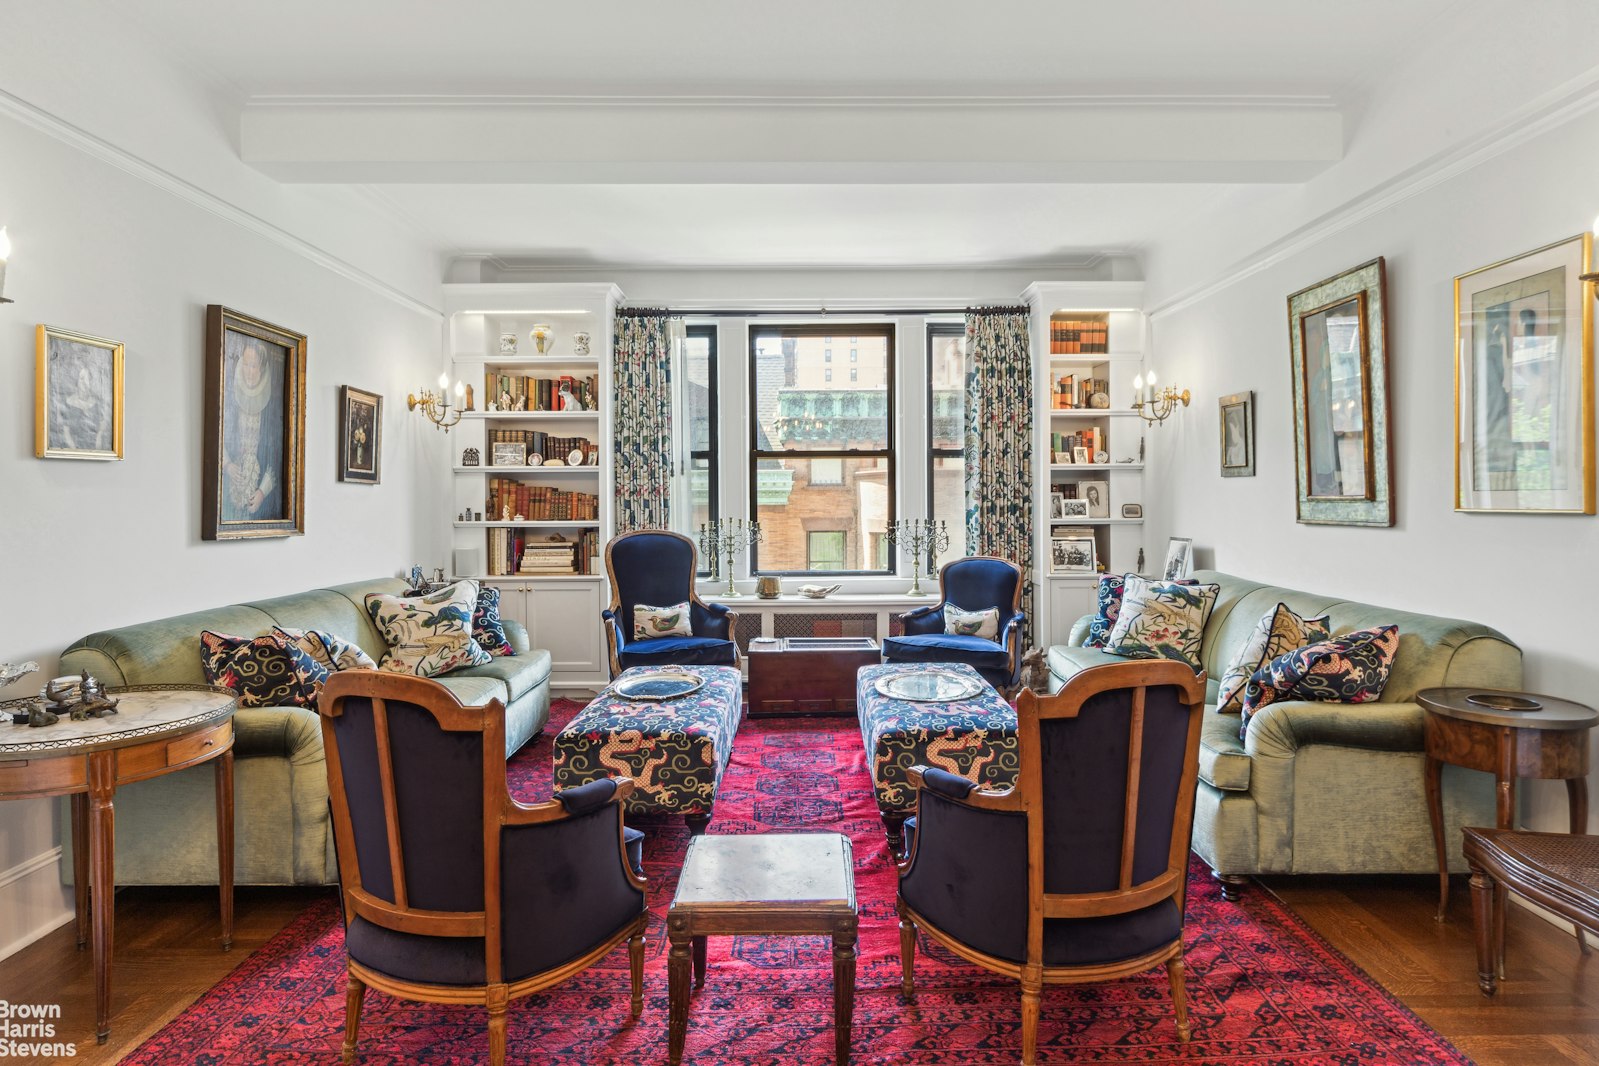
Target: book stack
x=549, y=558
x=540, y=503
x=1070, y=391
x=1078, y=338
x=540, y=394
x=511, y=553
x=543, y=444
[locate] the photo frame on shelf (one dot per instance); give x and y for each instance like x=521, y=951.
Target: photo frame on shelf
x=1056, y=499
x=1132, y=510
x=1524, y=383
x=360, y=435
x=1072, y=508
x=1338, y=341
x=253, y=452
x=1081, y=457
x=1097, y=495
x=1179, y=558
x=506, y=453
x=78, y=399
x=1072, y=555
x=1237, y=434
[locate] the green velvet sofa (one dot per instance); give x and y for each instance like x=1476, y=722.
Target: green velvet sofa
x=166, y=827
x=1327, y=787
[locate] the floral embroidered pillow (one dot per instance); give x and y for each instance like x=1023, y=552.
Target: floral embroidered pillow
x=1162, y=620
x=651, y=623
x=332, y=651
x=961, y=623
x=428, y=635
x=1109, y=604
x=487, y=629
x=266, y=671
x=1352, y=668
x=1279, y=630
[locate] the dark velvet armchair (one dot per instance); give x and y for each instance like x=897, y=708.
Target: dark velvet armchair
x=453, y=892
x=656, y=568
x=1078, y=872
x=976, y=583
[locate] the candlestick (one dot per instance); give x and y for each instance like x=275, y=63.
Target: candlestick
x=728, y=538
x=920, y=535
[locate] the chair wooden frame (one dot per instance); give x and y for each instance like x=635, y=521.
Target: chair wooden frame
x=693, y=596
x=500, y=811
x=1027, y=797
x=1014, y=641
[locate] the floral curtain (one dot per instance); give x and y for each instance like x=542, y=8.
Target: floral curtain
x=999, y=442
x=642, y=417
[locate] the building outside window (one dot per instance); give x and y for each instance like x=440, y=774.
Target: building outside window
x=946, y=431
x=824, y=550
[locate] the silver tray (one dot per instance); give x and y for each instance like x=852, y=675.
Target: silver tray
x=929, y=686
x=659, y=685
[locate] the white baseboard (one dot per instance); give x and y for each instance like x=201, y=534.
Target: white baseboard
x=33, y=902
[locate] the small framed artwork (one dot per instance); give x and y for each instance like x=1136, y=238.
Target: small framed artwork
x=1070, y=508
x=1179, y=558
x=253, y=455
x=1338, y=338
x=1097, y=495
x=360, y=435
x=1524, y=383
x=1132, y=510
x=1071, y=555
x=1081, y=457
x=1056, y=499
x=509, y=454
x=508, y=344
x=78, y=396
x=1238, y=435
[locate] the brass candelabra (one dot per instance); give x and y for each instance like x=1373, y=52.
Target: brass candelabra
x=437, y=406
x=1155, y=407
x=726, y=539
x=920, y=536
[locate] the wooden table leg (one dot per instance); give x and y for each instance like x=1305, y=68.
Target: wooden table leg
x=698, y=945
x=80, y=864
x=1505, y=818
x=102, y=877
x=1577, y=799
x=844, y=938
x=678, y=965
x=1435, y=813
x=224, y=773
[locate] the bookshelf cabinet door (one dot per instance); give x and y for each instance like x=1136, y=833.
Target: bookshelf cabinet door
x=1069, y=601
x=564, y=617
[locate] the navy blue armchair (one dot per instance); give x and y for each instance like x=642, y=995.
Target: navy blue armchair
x=656, y=568
x=972, y=584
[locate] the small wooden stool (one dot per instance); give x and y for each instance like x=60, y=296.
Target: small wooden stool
x=1557, y=871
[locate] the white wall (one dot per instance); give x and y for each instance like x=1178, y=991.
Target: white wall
x=1530, y=577
x=88, y=545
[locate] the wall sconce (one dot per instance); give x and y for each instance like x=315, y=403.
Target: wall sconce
x=5, y=253
x=1155, y=407
x=438, y=408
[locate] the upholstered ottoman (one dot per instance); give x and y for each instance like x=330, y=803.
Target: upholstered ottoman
x=973, y=737
x=674, y=750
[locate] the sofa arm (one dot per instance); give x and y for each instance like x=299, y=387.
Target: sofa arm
x=292, y=733
x=1079, y=633
x=1279, y=730
x=516, y=633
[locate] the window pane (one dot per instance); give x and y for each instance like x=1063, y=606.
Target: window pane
x=697, y=369
x=949, y=390
x=798, y=405
x=699, y=492
x=825, y=550
x=949, y=504
x=796, y=497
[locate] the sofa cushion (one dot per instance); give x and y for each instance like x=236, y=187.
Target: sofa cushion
x=520, y=673
x=1108, y=603
x=487, y=629
x=679, y=651
x=475, y=691
x=265, y=671
x=1223, y=762
x=1350, y=669
x=1279, y=630
x=1162, y=620
x=946, y=648
x=984, y=624
x=1065, y=661
x=332, y=651
x=428, y=635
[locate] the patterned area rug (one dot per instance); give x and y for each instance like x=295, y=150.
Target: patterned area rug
x=1263, y=988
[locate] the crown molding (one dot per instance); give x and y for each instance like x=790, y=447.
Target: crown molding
x=76, y=137
x=1542, y=115
x=908, y=102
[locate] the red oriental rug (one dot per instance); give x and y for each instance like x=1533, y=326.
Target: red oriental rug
x=1263, y=988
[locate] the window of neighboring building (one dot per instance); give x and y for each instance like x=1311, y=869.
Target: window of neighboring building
x=946, y=431
x=852, y=373
x=822, y=460
x=699, y=372
x=853, y=353
x=827, y=356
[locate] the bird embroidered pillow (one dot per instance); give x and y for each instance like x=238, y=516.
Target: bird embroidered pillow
x=652, y=623
x=428, y=635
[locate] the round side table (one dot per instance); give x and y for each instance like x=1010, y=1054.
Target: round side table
x=157, y=729
x=1476, y=728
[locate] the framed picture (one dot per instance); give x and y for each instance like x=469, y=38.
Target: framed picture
x=1081, y=457
x=1071, y=555
x=1338, y=337
x=253, y=455
x=1179, y=558
x=1055, y=501
x=1097, y=495
x=360, y=435
x=1070, y=508
x=77, y=397
x=1132, y=510
x=1238, y=435
x=509, y=454
x=1524, y=383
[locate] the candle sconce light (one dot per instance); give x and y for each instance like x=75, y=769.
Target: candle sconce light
x=1155, y=406
x=437, y=406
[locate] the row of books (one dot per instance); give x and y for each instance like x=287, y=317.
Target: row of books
x=1091, y=440
x=542, y=394
x=1068, y=337
x=539, y=503
x=1068, y=392
x=513, y=553
x=545, y=445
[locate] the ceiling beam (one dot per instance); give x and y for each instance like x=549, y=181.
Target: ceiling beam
x=717, y=140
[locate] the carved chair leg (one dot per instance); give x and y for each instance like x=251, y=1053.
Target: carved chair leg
x=635, y=966
x=352, y=1016
x=1032, y=1004
x=1232, y=885
x=1482, y=905
x=894, y=826
x=1179, y=994
x=907, y=957
x=697, y=823
x=498, y=1001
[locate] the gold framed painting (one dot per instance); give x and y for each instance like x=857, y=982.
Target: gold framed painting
x=1338, y=336
x=253, y=455
x=1524, y=388
x=78, y=395
x=360, y=435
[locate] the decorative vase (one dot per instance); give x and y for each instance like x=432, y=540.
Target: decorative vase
x=768, y=588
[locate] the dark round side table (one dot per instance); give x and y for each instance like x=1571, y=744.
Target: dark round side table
x=1509, y=735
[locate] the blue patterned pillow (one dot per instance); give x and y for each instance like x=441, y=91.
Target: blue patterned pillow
x=1352, y=668
x=487, y=629
x=1112, y=587
x=331, y=650
x=266, y=671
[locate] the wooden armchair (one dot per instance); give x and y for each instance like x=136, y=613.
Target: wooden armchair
x=1078, y=873
x=657, y=567
x=453, y=891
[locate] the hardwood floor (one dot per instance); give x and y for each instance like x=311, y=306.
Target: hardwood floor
x=1547, y=1011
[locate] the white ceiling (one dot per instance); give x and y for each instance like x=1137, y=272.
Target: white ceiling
x=1238, y=51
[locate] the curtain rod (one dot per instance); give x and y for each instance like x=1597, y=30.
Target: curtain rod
x=824, y=312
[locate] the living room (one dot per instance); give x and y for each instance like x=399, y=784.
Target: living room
x=840, y=299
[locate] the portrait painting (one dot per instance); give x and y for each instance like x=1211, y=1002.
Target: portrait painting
x=254, y=453
x=1238, y=435
x=78, y=396
x=1524, y=393
x=1338, y=341
x=360, y=435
